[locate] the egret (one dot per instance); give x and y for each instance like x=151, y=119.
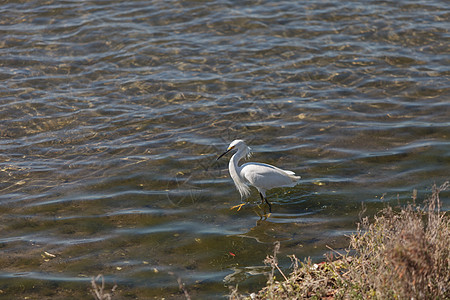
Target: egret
x=262, y=176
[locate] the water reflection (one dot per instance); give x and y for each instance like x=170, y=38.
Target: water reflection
x=113, y=114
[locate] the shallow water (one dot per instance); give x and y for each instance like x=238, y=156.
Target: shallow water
x=113, y=114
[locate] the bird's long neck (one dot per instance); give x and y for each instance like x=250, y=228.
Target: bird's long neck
x=233, y=167
x=235, y=171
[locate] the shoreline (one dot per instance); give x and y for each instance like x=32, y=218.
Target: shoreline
x=403, y=253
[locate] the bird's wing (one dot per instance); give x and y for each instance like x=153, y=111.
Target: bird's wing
x=267, y=176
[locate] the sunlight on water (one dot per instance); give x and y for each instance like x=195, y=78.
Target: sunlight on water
x=113, y=114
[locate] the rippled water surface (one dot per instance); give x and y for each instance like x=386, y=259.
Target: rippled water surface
x=113, y=114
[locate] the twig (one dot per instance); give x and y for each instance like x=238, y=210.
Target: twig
x=183, y=288
x=98, y=291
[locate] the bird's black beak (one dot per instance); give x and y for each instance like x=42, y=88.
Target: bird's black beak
x=225, y=153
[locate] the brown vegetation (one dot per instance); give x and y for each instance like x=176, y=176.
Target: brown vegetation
x=401, y=254
x=98, y=291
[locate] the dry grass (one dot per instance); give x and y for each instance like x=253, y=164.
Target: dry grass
x=98, y=291
x=399, y=255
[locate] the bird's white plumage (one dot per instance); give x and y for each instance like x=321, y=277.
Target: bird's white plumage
x=262, y=176
x=266, y=177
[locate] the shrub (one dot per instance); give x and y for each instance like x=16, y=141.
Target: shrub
x=401, y=254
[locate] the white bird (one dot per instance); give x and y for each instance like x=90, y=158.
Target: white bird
x=262, y=176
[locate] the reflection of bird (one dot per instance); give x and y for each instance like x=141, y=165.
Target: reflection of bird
x=262, y=176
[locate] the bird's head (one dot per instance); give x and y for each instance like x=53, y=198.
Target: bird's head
x=238, y=145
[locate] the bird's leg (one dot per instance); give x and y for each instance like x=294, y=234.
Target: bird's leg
x=270, y=206
x=239, y=206
x=268, y=203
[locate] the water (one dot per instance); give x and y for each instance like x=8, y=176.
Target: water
x=113, y=113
